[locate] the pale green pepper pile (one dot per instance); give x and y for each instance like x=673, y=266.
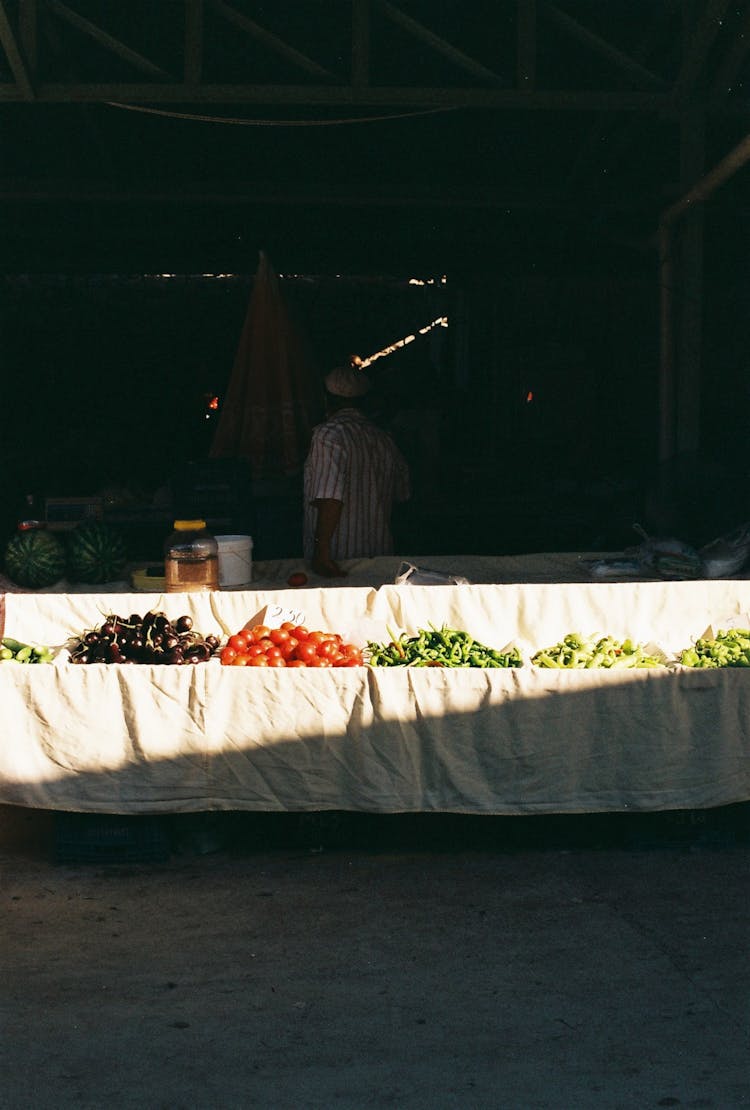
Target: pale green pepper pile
x=728, y=649
x=576, y=652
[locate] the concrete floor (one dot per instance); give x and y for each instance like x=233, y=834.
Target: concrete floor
x=407, y=962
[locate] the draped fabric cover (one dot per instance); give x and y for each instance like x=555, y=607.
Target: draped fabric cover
x=145, y=739
x=270, y=403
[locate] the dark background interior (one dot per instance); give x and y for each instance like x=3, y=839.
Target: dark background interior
x=541, y=222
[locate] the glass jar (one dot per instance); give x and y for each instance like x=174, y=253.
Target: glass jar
x=191, y=558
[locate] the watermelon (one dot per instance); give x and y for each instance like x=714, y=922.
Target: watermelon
x=35, y=558
x=96, y=553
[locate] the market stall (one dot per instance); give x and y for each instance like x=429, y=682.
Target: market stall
x=156, y=739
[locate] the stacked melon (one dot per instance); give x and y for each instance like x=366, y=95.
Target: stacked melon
x=94, y=553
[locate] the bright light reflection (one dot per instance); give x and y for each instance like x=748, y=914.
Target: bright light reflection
x=440, y=322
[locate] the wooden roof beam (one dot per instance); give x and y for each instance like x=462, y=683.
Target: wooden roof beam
x=273, y=42
x=344, y=96
x=641, y=75
x=104, y=39
x=14, y=56
x=438, y=44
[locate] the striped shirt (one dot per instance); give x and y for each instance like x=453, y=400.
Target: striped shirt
x=354, y=461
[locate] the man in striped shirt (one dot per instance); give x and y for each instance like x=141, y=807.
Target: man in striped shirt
x=353, y=474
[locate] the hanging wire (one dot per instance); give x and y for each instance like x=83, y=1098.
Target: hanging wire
x=195, y=118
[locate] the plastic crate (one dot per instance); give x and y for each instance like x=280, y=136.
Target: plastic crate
x=109, y=838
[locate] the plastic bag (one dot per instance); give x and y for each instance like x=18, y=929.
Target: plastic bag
x=727, y=554
x=668, y=558
x=410, y=575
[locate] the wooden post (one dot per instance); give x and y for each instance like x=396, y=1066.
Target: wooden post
x=690, y=318
x=193, y=59
x=526, y=44
x=702, y=189
x=360, y=43
x=666, y=326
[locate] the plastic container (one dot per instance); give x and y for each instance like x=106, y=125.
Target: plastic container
x=235, y=560
x=191, y=558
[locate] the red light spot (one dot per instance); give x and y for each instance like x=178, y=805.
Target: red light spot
x=529, y=397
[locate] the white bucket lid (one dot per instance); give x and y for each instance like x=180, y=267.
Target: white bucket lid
x=229, y=541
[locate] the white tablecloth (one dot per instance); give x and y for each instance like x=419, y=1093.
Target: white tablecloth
x=145, y=739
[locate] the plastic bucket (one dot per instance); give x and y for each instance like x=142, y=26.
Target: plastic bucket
x=235, y=560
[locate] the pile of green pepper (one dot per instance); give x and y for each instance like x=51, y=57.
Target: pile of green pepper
x=439, y=647
x=576, y=652
x=727, y=649
x=13, y=651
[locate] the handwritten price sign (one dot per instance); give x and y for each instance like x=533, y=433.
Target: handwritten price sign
x=273, y=616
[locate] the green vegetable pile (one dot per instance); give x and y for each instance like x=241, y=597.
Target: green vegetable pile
x=439, y=647
x=727, y=649
x=13, y=651
x=576, y=652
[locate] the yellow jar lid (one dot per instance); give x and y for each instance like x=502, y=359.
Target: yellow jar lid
x=189, y=525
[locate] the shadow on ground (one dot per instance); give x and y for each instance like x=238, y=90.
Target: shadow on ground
x=86, y=838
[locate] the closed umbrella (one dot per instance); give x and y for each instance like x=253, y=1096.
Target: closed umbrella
x=271, y=400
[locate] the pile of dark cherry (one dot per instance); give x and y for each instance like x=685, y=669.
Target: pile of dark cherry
x=152, y=638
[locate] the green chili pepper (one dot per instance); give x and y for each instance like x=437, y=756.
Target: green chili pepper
x=439, y=647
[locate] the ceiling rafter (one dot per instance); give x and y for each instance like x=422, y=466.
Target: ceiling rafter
x=278, y=45
x=346, y=95
x=440, y=45
x=642, y=76
x=15, y=57
x=648, y=91
x=104, y=39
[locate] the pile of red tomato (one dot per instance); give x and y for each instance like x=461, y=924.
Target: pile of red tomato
x=291, y=645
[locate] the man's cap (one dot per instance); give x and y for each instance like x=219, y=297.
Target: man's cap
x=347, y=381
